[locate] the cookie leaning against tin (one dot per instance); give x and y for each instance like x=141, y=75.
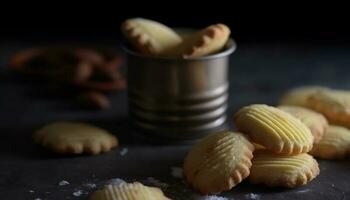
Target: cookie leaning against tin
x=334, y=104
x=150, y=37
x=283, y=170
x=335, y=144
x=75, y=138
x=274, y=129
x=128, y=191
x=316, y=122
x=218, y=162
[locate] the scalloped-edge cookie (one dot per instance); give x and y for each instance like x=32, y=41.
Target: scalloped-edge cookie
x=274, y=129
x=288, y=171
x=207, y=41
x=128, y=191
x=150, y=37
x=218, y=162
x=75, y=138
x=334, y=104
x=335, y=144
x=316, y=122
x=298, y=96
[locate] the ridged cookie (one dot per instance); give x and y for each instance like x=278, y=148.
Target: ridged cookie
x=334, y=104
x=274, y=129
x=298, y=96
x=75, y=138
x=316, y=122
x=150, y=37
x=335, y=144
x=282, y=170
x=128, y=191
x=218, y=162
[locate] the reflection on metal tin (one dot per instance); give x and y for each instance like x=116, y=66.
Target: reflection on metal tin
x=178, y=99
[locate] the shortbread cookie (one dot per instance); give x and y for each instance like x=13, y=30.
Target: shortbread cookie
x=316, y=122
x=282, y=170
x=334, y=104
x=207, y=41
x=274, y=129
x=75, y=138
x=335, y=144
x=218, y=162
x=128, y=191
x=299, y=95
x=150, y=37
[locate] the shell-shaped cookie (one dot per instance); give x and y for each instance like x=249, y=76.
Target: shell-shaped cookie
x=218, y=162
x=128, y=191
x=150, y=37
x=298, y=96
x=316, y=122
x=335, y=144
x=275, y=129
x=75, y=138
x=277, y=170
x=334, y=104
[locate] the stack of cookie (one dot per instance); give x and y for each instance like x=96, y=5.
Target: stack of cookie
x=221, y=161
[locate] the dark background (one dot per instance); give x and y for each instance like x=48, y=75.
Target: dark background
x=288, y=22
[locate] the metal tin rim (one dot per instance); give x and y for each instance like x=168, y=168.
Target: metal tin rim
x=230, y=47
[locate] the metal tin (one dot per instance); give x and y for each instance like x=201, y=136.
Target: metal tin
x=178, y=99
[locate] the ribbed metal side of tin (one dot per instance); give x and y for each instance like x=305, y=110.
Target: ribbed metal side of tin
x=178, y=99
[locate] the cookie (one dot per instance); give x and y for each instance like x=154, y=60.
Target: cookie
x=334, y=104
x=150, y=37
x=274, y=129
x=218, y=162
x=205, y=42
x=75, y=138
x=128, y=191
x=316, y=122
x=298, y=96
x=288, y=171
x=335, y=144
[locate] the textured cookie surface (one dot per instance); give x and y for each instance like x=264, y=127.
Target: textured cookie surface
x=75, y=138
x=218, y=162
x=316, y=122
x=150, y=37
x=298, y=96
x=128, y=191
x=283, y=170
x=334, y=104
x=274, y=129
x=335, y=144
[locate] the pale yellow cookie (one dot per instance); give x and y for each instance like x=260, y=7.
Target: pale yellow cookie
x=128, y=191
x=334, y=104
x=298, y=96
x=316, y=122
x=75, y=138
x=218, y=162
x=335, y=144
x=150, y=37
x=282, y=170
x=274, y=129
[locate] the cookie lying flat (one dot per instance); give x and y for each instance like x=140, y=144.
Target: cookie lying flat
x=334, y=104
x=274, y=129
x=207, y=41
x=150, y=37
x=282, y=170
x=316, y=122
x=75, y=138
x=218, y=162
x=298, y=96
x=335, y=144
x=128, y=191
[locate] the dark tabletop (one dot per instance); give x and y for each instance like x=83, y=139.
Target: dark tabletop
x=259, y=73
